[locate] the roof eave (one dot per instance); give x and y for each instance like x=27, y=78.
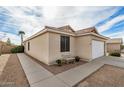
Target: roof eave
x=94, y=35
x=35, y=35
x=47, y=30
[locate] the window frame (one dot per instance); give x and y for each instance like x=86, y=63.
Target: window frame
x=66, y=46
x=28, y=46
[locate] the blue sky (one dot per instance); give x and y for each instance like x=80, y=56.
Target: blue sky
x=109, y=21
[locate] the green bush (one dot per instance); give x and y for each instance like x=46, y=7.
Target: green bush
x=18, y=49
x=115, y=54
x=77, y=58
x=59, y=62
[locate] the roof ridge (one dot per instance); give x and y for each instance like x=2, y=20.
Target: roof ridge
x=66, y=26
x=87, y=28
x=50, y=27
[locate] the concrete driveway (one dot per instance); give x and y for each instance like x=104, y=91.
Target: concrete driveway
x=38, y=76
x=115, y=61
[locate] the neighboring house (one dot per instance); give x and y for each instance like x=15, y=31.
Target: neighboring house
x=114, y=45
x=52, y=43
x=122, y=51
x=5, y=48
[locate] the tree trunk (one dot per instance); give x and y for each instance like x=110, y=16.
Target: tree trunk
x=21, y=39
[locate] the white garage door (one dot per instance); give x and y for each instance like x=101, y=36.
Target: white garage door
x=97, y=49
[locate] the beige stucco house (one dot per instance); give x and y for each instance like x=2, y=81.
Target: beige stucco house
x=114, y=45
x=52, y=43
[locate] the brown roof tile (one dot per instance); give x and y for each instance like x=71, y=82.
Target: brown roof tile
x=66, y=29
x=87, y=30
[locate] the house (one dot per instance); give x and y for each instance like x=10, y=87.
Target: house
x=52, y=43
x=114, y=45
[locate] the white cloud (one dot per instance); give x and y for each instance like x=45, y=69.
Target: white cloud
x=109, y=24
x=119, y=34
x=14, y=38
x=79, y=17
x=49, y=12
x=32, y=19
x=116, y=34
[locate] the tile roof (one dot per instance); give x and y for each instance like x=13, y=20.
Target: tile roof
x=67, y=27
x=67, y=30
x=87, y=30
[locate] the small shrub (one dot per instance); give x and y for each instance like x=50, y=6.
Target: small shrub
x=59, y=62
x=18, y=49
x=63, y=61
x=115, y=54
x=77, y=58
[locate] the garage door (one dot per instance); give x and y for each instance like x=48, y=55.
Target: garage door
x=97, y=49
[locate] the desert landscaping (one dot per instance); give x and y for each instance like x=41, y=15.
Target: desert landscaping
x=106, y=76
x=12, y=74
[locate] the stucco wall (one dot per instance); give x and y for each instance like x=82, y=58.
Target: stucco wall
x=5, y=48
x=83, y=47
x=39, y=48
x=46, y=47
x=54, y=48
x=113, y=47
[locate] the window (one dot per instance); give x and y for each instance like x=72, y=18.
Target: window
x=65, y=43
x=28, y=45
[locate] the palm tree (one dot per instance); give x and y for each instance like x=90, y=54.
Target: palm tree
x=21, y=33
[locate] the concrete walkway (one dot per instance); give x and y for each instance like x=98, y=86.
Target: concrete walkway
x=37, y=75
x=40, y=77
x=75, y=75
x=3, y=60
